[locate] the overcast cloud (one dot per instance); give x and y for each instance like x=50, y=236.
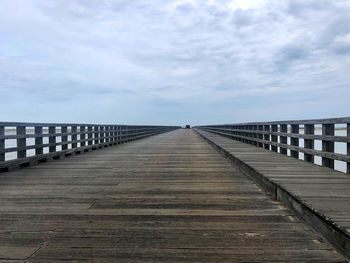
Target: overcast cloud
x=173, y=62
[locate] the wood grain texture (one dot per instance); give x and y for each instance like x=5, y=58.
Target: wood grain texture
x=324, y=192
x=166, y=198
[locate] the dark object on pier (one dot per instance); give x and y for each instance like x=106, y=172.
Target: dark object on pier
x=188, y=126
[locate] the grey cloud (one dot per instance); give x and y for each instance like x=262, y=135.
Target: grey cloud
x=187, y=53
x=303, y=8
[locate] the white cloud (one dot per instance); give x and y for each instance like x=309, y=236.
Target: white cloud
x=173, y=52
x=247, y=4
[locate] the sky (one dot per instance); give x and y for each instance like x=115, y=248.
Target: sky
x=173, y=62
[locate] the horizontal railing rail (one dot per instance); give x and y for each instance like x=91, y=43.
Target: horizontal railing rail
x=24, y=144
x=327, y=139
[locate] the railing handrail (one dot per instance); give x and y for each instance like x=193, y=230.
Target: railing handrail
x=46, y=124
x=340, y=120
x=274, y=136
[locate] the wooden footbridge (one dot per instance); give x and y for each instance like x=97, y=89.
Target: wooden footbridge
x=221, y=193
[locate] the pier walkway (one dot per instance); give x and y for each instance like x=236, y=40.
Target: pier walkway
x=167, y=198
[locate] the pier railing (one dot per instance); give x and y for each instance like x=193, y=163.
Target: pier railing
x=296, y=138
x=24, y=144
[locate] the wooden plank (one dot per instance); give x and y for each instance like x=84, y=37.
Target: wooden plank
x=309, y=189
x=167, y=198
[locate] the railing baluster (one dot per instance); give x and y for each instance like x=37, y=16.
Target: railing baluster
x=267, y=136
x=255, y=128
x=64, y=138
x=328, y=146
x=89, y=135
x=290, y=136
x=21, y=142
x=74, y=137
x=96, y=141
x=106, y=134
x=111, y=135
x=38, y=131
x=294, y=141
x=348, y=146
x=119, y=134
x=115, y=134
x=82, y=135
x=261, y=136
x=2, y=144
x=102, y=134
x=274, y=138
x=283, y=139
x=309, y=143
x=59, y=137
x=127, y=133
x=52, y=138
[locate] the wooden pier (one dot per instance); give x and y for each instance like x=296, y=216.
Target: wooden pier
x=169, y=197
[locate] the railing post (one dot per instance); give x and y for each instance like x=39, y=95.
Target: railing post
x=21, y=142
x=74, y=137
x=2, y=144
x=274, y=138
x=115, y=134
x=261, y=136
x=102, y=134
x=111, y=135
x=127, y=133
x=283, y=139
x=64, y=138
x=82, y=135
x=108, y=134
x=348, y=146
x=89, y=135
x=38, y=130
x=294, y=141
x=251, y=135
x=255, y=127
x=267, y=136
x=247, y=134
x=309, y=143
x=52, y=138
x=327, y=146
x=96, y=140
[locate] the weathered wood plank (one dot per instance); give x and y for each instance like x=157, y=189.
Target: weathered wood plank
x=167, y=198
x=313, y=189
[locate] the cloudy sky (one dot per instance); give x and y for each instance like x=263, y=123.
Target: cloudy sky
x=173, y=61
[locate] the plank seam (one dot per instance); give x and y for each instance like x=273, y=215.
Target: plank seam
x=322, y=225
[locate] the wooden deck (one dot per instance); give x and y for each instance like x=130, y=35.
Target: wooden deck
x=166, y=198
x=321, y=196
